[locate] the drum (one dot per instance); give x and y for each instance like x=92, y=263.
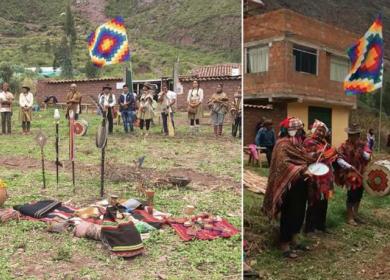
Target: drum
x=80, y=127
x=376, y=178
x=318, y=169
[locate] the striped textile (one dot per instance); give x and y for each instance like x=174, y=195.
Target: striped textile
x=366, y=73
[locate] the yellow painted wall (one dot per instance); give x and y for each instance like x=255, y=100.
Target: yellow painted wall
x=340, y=116
x=300, y=111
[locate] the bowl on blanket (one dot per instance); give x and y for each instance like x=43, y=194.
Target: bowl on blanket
x=180, y=181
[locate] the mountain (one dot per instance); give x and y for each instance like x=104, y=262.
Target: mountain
x=199, y=32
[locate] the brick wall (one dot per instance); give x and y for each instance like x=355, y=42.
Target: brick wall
x=86, y=88
x=253, y=115
x=281, y=77
x=209, y=87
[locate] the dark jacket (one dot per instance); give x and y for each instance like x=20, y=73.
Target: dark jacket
x=265, y=137
x=130, y=102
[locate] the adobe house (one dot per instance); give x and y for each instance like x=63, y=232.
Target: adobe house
x=208, y=77
x=297, y=64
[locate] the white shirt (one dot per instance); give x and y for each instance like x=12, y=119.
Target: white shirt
x=5, y=96
x=104, y=100
x=26, y=100
x=169, y=97
x=195, y=95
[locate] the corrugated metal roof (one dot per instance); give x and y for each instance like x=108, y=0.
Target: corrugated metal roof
x=218, y=70
x=265, y=107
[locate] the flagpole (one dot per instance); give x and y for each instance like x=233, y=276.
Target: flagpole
x=380, y=119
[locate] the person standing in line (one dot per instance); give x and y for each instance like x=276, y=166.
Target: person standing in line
x=26, y=101
x=6, y=100
x=167, y=99
x=127, y=109
x=194, y=101
x=107, y=102
x=146, y=110
x=218, y=104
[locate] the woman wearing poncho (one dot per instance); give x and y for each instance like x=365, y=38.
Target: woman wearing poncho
x=287, y=188
x=219, y=105
x=354, y=155
x=320, y=188
x=146, y=110
x=194, y=100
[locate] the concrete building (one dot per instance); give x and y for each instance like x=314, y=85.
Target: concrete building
x=296, y=64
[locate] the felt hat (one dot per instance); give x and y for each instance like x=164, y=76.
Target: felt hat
x=148, y=85
x=26, y=87
x=353, y=129
x=107, y=86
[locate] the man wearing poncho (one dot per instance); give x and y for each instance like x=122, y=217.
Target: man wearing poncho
x=354, y=155
x=321, y=187
x=287, y=188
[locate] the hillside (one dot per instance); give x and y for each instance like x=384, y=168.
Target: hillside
x=199, y=32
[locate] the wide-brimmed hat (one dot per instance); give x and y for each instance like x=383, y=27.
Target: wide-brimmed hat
x=148, y=85
x=107, y=86
x=26, y=87
x=353, y=129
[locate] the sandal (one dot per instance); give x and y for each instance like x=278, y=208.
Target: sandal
x=302, y=247
x=352, y=222
x=289, y=254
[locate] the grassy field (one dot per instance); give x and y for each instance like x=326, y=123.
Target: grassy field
x=347, y=253
x=27, y=251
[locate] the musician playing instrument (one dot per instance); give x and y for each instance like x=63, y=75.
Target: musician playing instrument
x=218, y=105
x=321, y=187
x=146, y=110
x=286, y=191
x=354, y=155
x=26, y=101
x=6, y=99
x=73, y=102
x=194, y=101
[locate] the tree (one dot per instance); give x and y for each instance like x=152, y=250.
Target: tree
x=63, y=58
x=6, y=72
x=47, y=46
x=69, y=28
x=91, y=71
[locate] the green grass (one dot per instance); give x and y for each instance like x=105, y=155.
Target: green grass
x=154, y=31
x=348, y=253
x=27, y=251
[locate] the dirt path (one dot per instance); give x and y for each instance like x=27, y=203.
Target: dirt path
x=124, y=173
x=93, y=10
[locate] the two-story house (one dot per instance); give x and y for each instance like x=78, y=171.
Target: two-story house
x=296, y=64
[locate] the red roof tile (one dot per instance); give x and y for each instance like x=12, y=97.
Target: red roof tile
x=217, y=70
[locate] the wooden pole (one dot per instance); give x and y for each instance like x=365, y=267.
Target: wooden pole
x=73, y=178
x=102, y=172
x=57, y=151
x=380, y=119
x=43, y=168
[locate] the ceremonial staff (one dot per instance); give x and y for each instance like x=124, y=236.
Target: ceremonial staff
x=57, y=119
x=71, y=146
x=41, y=140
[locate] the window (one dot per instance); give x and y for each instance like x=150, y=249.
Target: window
x=339, y=68
x=256, y=59
x=305, y=59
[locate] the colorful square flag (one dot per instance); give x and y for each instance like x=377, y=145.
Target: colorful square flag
x=109, y=44
x=366, y=74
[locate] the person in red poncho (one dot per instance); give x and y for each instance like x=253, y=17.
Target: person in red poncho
x=321, y=187
x=287, y=185
x=354, y=156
